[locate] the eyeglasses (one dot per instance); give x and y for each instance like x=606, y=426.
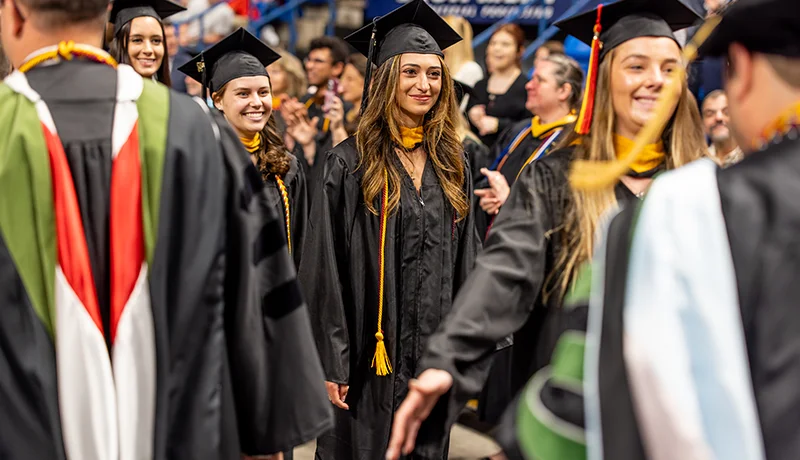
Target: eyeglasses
x=316, y=61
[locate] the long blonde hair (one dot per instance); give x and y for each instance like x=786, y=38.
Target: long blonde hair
x=460, y=53
x=295, y=74
x=379, y=132
x=684, y=141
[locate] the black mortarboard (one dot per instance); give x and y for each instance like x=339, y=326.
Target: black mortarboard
x=412, y=28
x=240, y=54
x=124, y=11
x=625, y=20
x=607, y=25
x=761, y=26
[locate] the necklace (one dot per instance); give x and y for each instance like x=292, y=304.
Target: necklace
x=413, y=172
x=67, y=51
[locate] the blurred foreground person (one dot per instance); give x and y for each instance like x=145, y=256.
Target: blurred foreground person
x=149, y=305
x=700, y=292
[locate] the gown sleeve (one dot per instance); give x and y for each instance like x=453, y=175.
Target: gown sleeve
x=496, y=299
x=325, y=264
x=275, y=371
x=299, y=207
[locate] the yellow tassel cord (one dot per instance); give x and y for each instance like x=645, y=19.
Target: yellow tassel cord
x=252, y=145
x=595, y=175
x=381, y=361
x=285, y=196
x=67, y=51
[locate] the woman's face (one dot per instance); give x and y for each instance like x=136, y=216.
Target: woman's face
x=146, y=46
x=419, y=85
x=502, y=51
x=247, y=104
x=544, y=93
x=278, y=78
x=640, y=70
x=352, y=85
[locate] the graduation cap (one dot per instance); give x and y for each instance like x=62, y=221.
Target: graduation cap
x=125, y=11
x=761, y=26
x=412, y=28
x=240, y=54
x=609, y=25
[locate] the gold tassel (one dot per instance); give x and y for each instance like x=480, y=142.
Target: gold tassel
x=381, y=359
x=599, y=175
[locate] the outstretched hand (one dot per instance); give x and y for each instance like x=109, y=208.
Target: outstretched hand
x=423, y=394
x=494, y=197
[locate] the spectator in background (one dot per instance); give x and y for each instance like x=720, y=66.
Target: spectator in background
x=219, y=22
x=288, y=78
x=460, y=58
x=500, y=99
x=344, y=125
x=325, y=62
x=548, y=49
x=716, y=122
x=177, y=57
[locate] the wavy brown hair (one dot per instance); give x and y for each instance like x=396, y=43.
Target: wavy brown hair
x=379, y=133
x=684, y=142
x=272, y=157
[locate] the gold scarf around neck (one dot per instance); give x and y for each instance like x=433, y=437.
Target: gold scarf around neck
x=651, y=158
x=252, y=145
x=538, y=128
x=411, y=137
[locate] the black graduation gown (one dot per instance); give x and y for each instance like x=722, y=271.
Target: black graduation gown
x=503, y=295
x=295, y=181
x=428, y=256
x=234, y=358
x=512, y=165
x=759, y=206
x=324, y=140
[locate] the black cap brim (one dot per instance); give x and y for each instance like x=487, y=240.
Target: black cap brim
x=124, y=11
x=761, y=26
x=413, y=28
x=240, y=54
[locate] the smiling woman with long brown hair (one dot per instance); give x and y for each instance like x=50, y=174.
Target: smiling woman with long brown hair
x=139, y=38
x=391, y=239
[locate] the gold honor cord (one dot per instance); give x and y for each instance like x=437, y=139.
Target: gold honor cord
x=598, y=175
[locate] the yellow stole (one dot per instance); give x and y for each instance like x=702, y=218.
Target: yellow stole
x=252, y=145
x=651, y=157
x=411, y=137
x=538, y=129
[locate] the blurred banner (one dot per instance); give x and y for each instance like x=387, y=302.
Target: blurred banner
x=483, y=11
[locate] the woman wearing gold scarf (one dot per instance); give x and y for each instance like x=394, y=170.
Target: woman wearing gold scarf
x=546, y=229
x=392, y=238
x=235, y=72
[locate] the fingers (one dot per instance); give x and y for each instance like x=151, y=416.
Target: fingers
x=484, y=192
x=343, y=390
x=402, y=422
x=334, y=395
x=411, y=437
